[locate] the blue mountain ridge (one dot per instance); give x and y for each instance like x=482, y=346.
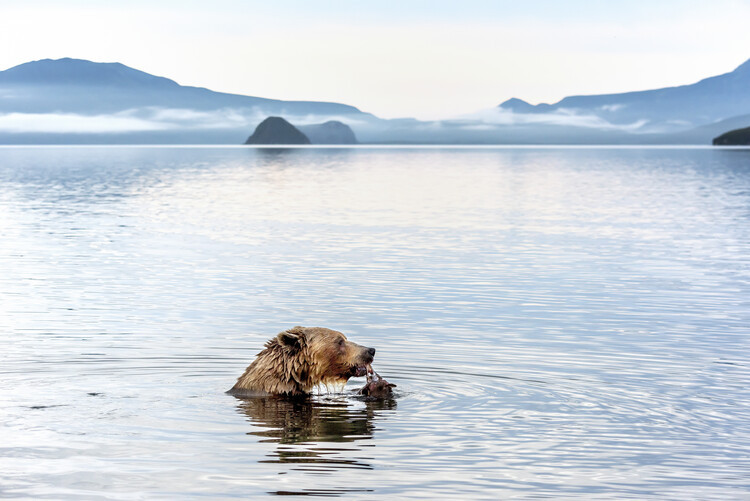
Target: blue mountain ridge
x=78, y=86
x=682, y=107
x=66, y=100
x=69, y=71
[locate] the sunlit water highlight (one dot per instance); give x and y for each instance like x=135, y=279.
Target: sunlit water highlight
x=562, y=323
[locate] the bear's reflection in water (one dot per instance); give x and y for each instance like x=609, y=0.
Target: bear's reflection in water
x=305, y=428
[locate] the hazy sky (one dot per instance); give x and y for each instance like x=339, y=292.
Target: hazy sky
x=426, y=59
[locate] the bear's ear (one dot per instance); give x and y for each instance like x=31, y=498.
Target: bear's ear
x=293, y=337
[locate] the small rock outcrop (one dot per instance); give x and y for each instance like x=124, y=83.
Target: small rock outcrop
x=276, y=130
x=331, y=132
x=737, y=137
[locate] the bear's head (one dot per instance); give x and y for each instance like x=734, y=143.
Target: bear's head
x=325, y=355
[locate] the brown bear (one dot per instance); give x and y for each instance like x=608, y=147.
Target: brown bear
x=297, y=360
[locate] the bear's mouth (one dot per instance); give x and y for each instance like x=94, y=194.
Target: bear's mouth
x=362, y=370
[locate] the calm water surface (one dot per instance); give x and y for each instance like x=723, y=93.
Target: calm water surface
x=561, y=323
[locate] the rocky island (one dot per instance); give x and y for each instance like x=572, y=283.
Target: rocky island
x=331, y=132
x=276, y=130
x=737, y=137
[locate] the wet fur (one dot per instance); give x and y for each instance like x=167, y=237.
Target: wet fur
x=297, y=360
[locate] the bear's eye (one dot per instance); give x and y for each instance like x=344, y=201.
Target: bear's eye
x=341, y=342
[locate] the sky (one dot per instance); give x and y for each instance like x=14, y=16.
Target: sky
x=407, y=58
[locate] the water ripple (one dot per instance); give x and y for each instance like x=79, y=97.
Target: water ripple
x=560, y=323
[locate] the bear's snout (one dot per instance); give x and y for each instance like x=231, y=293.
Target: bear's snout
x=368, y=355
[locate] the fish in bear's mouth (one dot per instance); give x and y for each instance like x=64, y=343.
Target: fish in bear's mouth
x=361, y=370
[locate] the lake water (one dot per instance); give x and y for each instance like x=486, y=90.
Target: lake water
x=560, y=322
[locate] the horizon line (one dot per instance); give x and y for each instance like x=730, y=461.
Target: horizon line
x=390, y=146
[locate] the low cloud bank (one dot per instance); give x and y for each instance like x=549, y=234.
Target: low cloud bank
x=565, y=117
x=148, y=119
x=482, y=126
x=65, y=123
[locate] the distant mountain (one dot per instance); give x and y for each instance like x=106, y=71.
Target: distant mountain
x=79, y=72
x=737, y=137
x=74, y=100
x=664, y=110
x=79, y=86
x=276, y=130
x=331, y=132
x=67, y=101
x=520, y=106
